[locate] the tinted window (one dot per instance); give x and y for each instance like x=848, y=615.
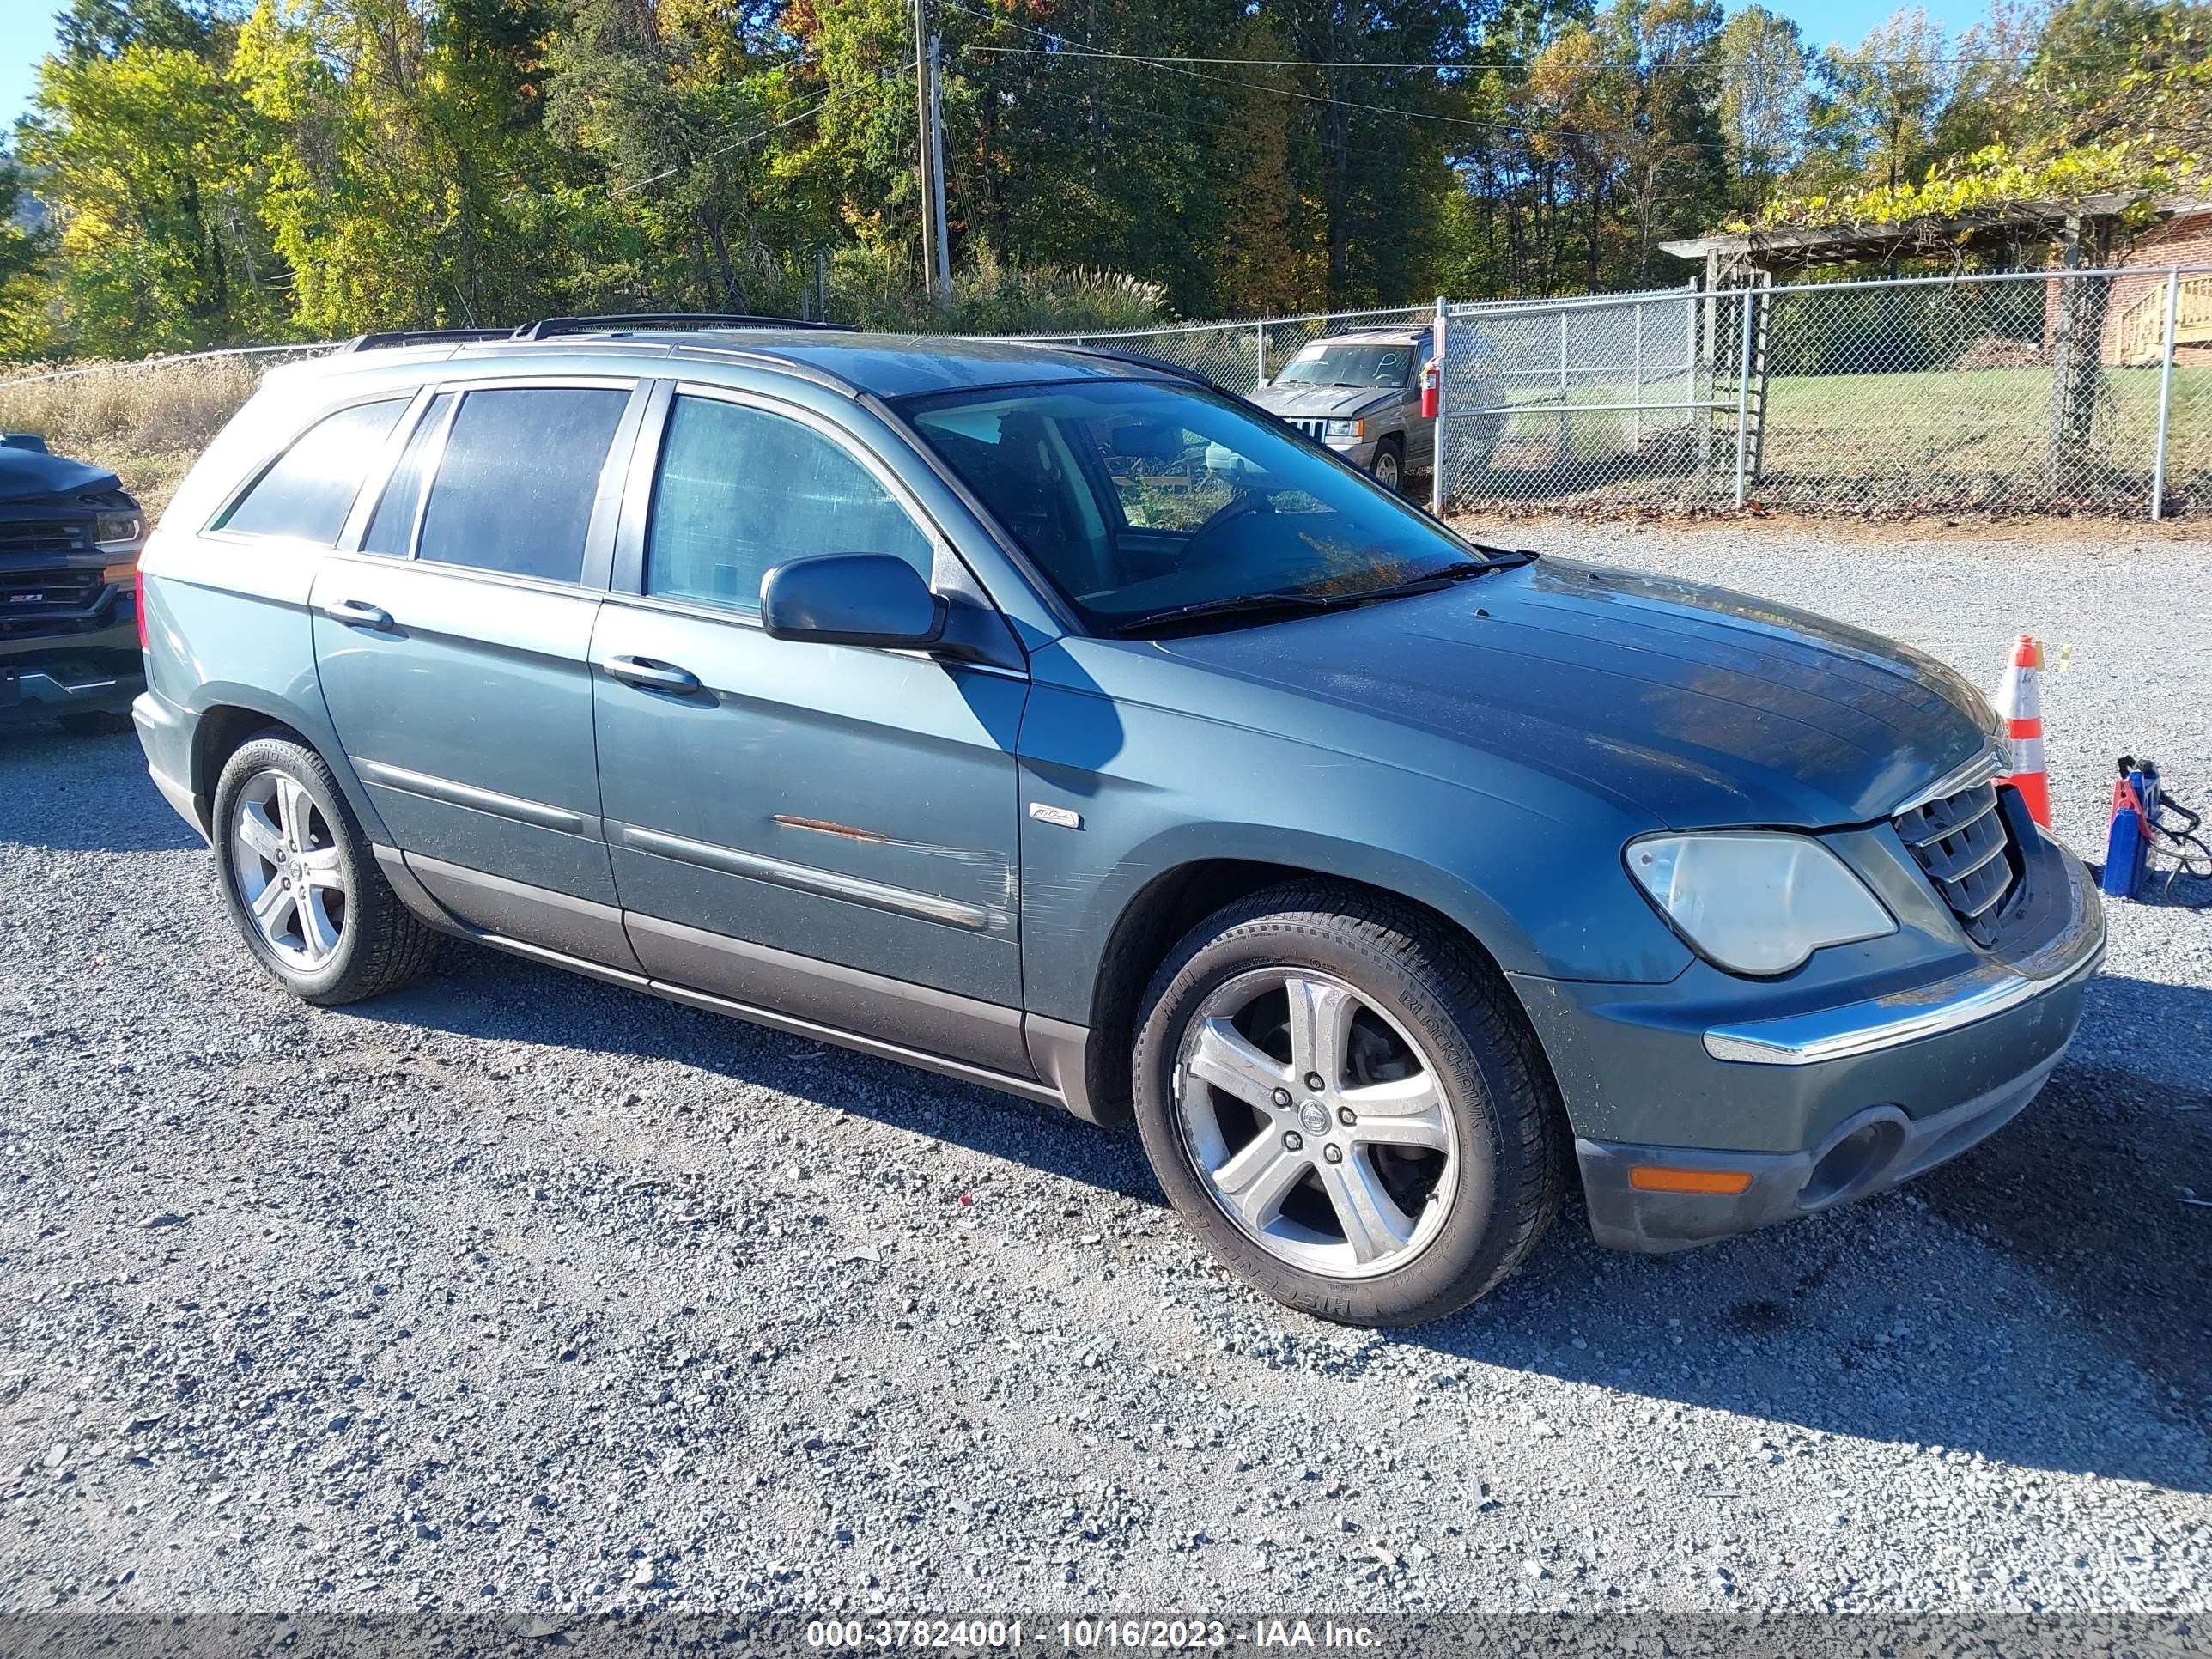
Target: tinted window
x=390, y=530
x=514, y=488
x=741, y=491
x=309, y=490
x=1137, y=498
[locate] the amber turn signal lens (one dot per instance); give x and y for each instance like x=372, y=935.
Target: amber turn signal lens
x=1658, y=1178
x=120, y=573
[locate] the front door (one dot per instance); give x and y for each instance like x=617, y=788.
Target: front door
x=826, y=830
x=451, y=646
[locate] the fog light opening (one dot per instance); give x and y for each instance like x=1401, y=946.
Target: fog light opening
x=1852, y=1162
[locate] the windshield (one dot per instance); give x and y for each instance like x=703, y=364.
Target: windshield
x=1137, y=498
x=1330, y=362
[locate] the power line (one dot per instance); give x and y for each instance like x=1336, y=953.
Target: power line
x=1440, y=66
x=1070, y=53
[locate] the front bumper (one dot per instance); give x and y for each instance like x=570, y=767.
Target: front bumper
x=1816, y=1109
x=90, y=673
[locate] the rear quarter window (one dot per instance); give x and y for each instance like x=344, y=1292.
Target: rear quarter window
x=306, y=492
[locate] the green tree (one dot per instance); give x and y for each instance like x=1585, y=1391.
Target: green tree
x=1761, y=64
x=152, y=167
x=408, y=165
x=1875, y=112
x=25, y=247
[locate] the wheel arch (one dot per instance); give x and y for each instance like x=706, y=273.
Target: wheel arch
x=1179, y=896
x=230, y=716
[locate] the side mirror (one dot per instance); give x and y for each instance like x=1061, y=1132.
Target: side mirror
x=851, y=598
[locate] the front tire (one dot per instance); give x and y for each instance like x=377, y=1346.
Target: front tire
x=302, y=883
x=1341, y=1100
x=1389, y=466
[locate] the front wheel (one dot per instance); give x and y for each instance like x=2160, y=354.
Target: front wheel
x=1342, y=1102
x=1389, y=466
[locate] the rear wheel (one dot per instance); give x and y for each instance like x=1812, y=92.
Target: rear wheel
x=1343, y=1104
x=300, y=881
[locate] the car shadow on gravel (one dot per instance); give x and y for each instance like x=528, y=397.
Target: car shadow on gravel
x=61, y=792
x=480, y=993
x=2043, y=1299
x=2040, y=1301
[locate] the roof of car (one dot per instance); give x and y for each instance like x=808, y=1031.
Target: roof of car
x=888, y=365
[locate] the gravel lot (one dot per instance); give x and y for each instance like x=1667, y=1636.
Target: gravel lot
x=518, y=1292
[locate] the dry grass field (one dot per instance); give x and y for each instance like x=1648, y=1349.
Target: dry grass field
x=148, y=421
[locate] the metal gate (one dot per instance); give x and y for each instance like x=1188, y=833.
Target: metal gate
x=1643, y=399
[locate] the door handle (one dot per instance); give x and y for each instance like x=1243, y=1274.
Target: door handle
x=653, y=676
x=359, y=613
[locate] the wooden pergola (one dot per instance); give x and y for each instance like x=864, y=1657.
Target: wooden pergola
x=2083, y=230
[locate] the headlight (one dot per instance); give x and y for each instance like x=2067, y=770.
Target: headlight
x=1347, y=428
x=111, y=529
x=1756, y=902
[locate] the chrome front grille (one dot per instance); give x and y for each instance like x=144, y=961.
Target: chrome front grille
x=1963, y=843
x=50, y=601
x=1310, y=427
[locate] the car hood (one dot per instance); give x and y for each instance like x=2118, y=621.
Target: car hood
x=1694, y=705
x=27, y=474
x=1314, y=402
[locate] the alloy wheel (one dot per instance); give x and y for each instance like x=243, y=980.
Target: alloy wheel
x=285, y=860
x=1316, y=1123
x=1386, y=470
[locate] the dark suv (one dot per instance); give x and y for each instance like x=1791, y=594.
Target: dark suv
x=69, y=608
x=1058, y=722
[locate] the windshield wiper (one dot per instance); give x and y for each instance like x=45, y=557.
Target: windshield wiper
x=1241, y=605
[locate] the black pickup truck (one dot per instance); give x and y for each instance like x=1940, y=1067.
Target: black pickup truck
x=69, y=538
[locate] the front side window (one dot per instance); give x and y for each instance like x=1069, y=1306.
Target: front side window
x=307, y=491
x=740, y=491
x=516, y=484
x=1140, y=499
x=1350, y=363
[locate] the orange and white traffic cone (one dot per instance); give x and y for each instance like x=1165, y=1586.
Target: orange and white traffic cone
x=2019, y=700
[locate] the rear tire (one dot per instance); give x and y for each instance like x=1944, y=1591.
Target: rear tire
x=300, y=881
x=1423, y=1169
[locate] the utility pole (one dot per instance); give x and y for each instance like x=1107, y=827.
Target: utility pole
x=925, y=142
x=937, y=175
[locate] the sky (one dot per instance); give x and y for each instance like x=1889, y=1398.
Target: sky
x=27, y=34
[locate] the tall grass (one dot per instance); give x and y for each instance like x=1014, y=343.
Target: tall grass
x=147, y=421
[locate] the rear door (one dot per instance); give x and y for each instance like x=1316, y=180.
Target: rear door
x=823, y=829
x=451, y=646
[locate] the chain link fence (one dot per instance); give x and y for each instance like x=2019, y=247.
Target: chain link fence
x=2052, y=392
x=2047, y=392
x=1240, y=357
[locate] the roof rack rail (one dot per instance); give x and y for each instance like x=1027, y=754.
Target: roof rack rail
x=1143, y=360
x=546, y=327
x=407, y=336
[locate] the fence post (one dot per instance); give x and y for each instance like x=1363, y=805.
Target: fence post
x=1742, y=395
x=1259, y=353
x=1566, y=451
x=1436, y=432
x=2165, y=394
x=1636, y=414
